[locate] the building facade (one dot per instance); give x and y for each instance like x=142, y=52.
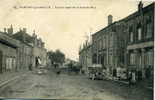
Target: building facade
x=8, y=53
x=109, y=47
x=140, y=41
x=39, y=51
x=127, y=43
x=25, y=51
x=85, y=58
x=31, y=49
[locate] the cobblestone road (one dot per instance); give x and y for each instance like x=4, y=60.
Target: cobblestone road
x=72, y=87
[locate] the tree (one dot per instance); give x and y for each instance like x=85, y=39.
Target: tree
x=56, y=57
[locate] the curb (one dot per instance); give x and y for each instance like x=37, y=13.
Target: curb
x=118, y=81
x=7, y=81
x=121, y=82
x=127, y=83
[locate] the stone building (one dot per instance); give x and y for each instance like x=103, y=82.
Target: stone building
x=39, y=51
x=85, y=56
x=8, y=52
x=108, y=46
x=31, y=49
x=25, y=51
x=127, y=43
x=140, y=41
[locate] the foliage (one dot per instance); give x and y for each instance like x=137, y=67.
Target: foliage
x=56, y=57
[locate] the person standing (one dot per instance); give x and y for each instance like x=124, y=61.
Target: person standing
x=130, y=78
x=133, y=77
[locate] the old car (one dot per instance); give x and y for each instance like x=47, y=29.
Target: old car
x=95, y=71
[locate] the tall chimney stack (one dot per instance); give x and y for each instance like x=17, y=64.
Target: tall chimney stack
x=5, y=30
x=24, y=30
x=109, y=19
x=140, y=6
x=10, y=30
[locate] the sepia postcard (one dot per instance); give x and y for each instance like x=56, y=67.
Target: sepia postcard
x=77, y=49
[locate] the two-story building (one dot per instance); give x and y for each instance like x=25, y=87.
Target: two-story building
x=108, y=46
x=140, y=41
x=8, y=52
x=85, y=56
x=25, y=51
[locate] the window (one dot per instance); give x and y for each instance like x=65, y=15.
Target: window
x=104, y=42
x=149, y=59
x=111, y=41
x=148, y=30
x=139, y=33
x=100, y=44
x=110, y=59
x=132, y=58
x=131, y=36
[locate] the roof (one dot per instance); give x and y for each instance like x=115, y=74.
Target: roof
x=144, y=10
x=103, y=29
x=19, y=35
x=8, y=40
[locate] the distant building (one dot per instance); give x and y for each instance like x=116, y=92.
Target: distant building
x=32, y=49
x=25, y=51
x=39, y=50
x=85, y=56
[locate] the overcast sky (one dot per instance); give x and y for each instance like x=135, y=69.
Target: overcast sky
x=62, y=28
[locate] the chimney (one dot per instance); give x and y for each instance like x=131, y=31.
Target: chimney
x=24, y=30
x=109, y=19
x=4, y=30
x=10, y=30
x=140, y=6
x=20, y=30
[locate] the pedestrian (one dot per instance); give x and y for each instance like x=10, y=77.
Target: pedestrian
x=114, y=73
x=93, y=76
x=147, y=72
x=130, y=78
x=30, y=67
x=139, y=75
x=58, y=72
x=133, y=80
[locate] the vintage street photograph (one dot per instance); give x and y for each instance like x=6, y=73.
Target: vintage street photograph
x=77, y=49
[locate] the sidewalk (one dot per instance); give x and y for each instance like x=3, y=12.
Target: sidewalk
x=143, y=83
x=116, y=80
x=6, y=77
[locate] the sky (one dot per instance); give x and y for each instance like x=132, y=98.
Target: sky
x=61, y=27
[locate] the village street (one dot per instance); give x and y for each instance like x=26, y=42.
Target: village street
x=71, y=86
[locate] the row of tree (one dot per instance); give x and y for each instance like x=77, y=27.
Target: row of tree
x=56, y=57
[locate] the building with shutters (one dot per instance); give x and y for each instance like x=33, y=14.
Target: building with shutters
x=8, y=51
x=140, y=41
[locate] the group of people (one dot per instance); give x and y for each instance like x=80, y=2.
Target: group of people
x=134, y=75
